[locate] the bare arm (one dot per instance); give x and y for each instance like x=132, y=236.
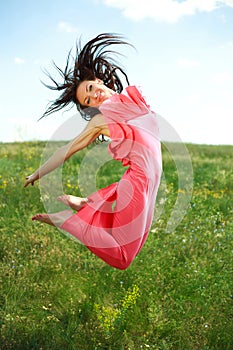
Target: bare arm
x=95, y=127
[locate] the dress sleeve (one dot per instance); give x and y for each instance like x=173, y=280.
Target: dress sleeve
x=127, y=105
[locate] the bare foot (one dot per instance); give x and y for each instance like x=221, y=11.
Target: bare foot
x=56, y=219
x=76, y=203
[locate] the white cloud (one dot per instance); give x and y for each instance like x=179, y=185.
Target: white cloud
x=188, y=63
x=165, y=10
x=66, y=27
x=19, y=60
x=193, y=98
x=227, y=45
x=222, y=78
x=228, y=2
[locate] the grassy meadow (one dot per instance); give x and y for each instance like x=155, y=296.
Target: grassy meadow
x=176, y=295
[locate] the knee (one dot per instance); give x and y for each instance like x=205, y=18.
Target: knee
x=123, y=264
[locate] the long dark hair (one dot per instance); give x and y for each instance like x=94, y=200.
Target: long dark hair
x=90, y=62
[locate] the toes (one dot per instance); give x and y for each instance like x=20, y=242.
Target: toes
x=36, y=217
x=63, y=198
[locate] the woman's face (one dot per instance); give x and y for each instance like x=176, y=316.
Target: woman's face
x=92, y=93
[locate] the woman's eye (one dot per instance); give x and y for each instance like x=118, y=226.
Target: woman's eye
x=90, y=87
x=88, y=101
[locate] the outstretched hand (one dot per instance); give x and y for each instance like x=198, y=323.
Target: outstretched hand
x=30, y=180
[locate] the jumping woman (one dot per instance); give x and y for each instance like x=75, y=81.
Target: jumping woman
x=113, y=222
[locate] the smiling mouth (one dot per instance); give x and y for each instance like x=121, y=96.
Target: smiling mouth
x=100, y=96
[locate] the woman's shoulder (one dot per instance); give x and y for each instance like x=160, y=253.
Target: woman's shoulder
x=132, y=90
x=127, y=105
x=134, y=94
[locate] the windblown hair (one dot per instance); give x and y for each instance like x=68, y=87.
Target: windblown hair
x=91, y=62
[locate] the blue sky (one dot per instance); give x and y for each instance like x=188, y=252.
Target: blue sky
x=183, y=61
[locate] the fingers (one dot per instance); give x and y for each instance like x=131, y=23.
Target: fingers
x=28, y=182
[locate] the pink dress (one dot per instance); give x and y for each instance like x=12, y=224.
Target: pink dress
x=115, y=223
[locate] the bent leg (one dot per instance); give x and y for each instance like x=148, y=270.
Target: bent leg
x=114, y=236
x=119, y=257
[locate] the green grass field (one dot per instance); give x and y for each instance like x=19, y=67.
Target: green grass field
x=176, y=295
